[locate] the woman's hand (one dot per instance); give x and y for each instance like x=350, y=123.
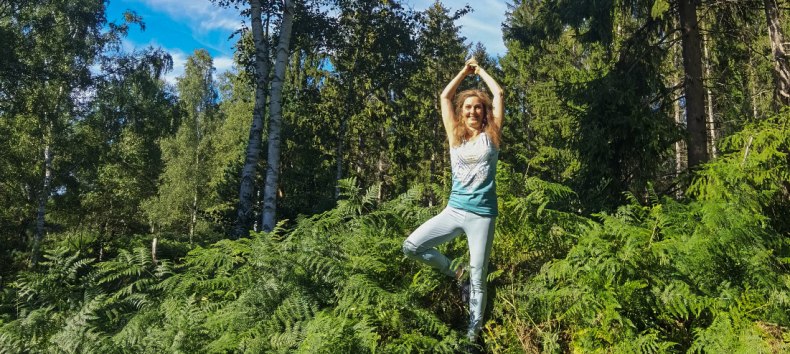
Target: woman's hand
x=498, y=101
x=471, y=67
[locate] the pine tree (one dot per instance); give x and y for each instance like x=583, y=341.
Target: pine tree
x=418, y=148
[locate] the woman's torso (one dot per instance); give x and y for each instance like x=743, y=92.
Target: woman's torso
x=474, y=171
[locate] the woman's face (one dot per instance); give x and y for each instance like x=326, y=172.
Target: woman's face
x=473, y=112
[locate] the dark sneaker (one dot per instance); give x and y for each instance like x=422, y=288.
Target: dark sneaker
x=466, y=290
x=471, y=348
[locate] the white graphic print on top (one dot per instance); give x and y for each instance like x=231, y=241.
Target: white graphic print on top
x=471, y=162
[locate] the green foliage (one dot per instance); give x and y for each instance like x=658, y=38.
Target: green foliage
x=660, y=7
x=589, y=254
x=181, y=201
x=580, y=110
x=668, y=276
x=705, y=275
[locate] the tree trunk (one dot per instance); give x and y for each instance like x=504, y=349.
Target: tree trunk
x=193, y=217
x=680, y=146
x=681, y=158
x=752, y=77
x=711, y=121
x=275, y=121
x=153, y=250
x=44, y=197
x=694, y=90
x=781, y=64
x=42, y=205
x=339, y=155
x=247, y=187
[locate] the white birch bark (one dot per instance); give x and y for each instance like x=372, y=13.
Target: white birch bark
x=269, y=218
x=247, y=187
x=42, y=205
x=711, y=122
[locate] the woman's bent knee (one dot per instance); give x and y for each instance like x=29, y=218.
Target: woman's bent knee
x=409, y=249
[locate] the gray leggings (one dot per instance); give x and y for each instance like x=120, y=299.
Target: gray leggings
x=421, y=246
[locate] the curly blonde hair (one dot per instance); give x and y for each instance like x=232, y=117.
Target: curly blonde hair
x=460, y=131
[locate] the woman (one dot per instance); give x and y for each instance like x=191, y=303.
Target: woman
x=473, y=132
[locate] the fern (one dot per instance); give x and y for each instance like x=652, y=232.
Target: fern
x=81, y=333
x=704, y=274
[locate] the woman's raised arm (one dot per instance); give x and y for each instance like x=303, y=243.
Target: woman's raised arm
x=499, y=96
x=446, y=99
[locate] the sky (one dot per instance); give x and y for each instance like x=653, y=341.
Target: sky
x=182, y=26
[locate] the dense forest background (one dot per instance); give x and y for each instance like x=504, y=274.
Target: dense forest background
x=644, y=180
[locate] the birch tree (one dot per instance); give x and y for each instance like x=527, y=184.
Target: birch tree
x=182, y=193
x=54, y=44
x=260, y=15
x=275, y=119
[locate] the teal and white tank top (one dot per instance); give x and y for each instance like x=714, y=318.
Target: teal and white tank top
x=474, y=171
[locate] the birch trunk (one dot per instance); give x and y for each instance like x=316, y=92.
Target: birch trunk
x=247, y=187
x=193, y=217
x=194, y=206
x=681, y=160
x=680, y=145
x=41, y=211
x=781, y=64
x=694, y=89
x=42, y=205
x=710, y=122
x=153, y=250
x=269, y=218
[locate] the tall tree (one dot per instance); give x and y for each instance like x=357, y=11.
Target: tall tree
x=275, y=119
x=260, y=14
x=306, y=175
x=117, y=158
x=373, y=59
x=643, y=19
x=592, y=90
x=694, y=97
x=420, y=145
x=237, y=94
x=261, y=45
x=307, y=20
x=781, y=60
x=185, y=178
x=740, y=72
x=56, y=43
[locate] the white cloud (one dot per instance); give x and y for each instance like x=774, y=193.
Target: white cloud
x=179, y=60
x=202, y=15
x=223, y=64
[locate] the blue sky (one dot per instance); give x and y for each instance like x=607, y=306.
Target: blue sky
x=182, y=26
